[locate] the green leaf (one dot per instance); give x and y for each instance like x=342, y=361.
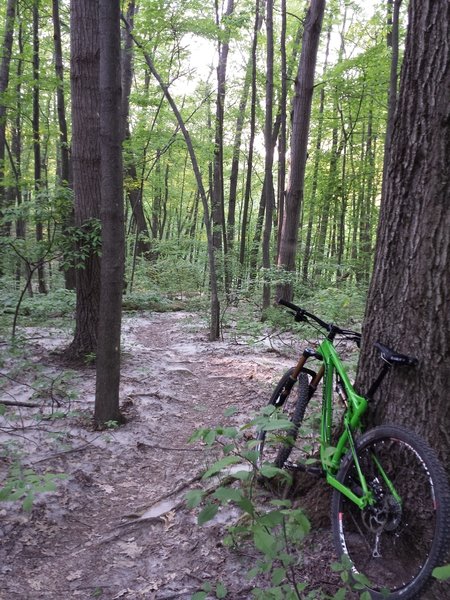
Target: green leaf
x=207, y=513
x=27, y=504
x=221, y=590
x=224, y=494
x=365, y=596
x=283, y=503
x=340, y=594
x=251, y=455
x=278, y=575
x=442, y=573
x=246, y=505
x=278, y=424
x=218, y=466
x=199, y=596
x=242, y=475
x=230, y=411
x=230, y=432
x=265, y=542
x=271, y=519
x=193, y=498
x=270, y=471
x=210, y=437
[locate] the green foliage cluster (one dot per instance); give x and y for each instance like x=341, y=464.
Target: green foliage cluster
x=276, y=528
x=23, y=484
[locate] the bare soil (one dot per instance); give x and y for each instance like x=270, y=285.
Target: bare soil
x=117, y=526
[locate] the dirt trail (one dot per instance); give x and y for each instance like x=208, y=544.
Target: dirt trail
x=74, y=544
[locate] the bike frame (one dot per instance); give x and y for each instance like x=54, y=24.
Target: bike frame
x=356, y=406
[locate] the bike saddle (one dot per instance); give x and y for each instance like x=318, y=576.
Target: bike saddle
x=395, y=358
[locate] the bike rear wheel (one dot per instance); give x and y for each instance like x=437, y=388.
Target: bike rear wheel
x=398, y=541
x=276, y=447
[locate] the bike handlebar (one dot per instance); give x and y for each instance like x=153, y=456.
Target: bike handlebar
x=302, y=314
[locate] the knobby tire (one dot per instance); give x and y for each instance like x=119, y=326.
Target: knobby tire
x=413, y=534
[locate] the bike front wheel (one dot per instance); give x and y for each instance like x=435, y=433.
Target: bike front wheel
x=394, y=544
x=276, y=447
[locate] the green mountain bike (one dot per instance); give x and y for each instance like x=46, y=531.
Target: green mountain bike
x=390, y=508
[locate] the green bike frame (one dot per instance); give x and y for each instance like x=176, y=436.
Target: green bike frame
x=356, y=407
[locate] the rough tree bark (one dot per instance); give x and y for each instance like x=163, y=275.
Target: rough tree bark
x=112, y=216
x=409, y=296
x=84, y=76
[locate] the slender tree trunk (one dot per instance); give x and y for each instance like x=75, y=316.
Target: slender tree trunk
x=4, y=81
x=65, y=174
x=300, y=129
x=268, y=166
x=283, y=127
x=218, y=207
x=214, y=331
x=393, y=42
x=248, y=181
x=37, y=145
x=112, y=216
x=134, y=193
x=313, y=201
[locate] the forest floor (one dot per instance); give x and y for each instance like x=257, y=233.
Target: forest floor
x=117, y=526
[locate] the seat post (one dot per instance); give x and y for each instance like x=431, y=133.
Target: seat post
x=376, y=384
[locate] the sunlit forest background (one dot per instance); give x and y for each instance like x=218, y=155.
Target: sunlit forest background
x=224, y=112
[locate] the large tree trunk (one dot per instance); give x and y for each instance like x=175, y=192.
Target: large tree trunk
x=304, y=86
x=86, y=166
x=112, y=213
x=409, y=298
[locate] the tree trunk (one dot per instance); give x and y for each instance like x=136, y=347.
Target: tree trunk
x=4, y=81
x=409, y=295
x=112, y=216
x=134, y=193
x=393, y=42
x=86, y=167
x=37, y=147
x=218, y=209
x=65, y=174
x=214, y=326
x=283, y=127
x=268, y=165
x=304, y=86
